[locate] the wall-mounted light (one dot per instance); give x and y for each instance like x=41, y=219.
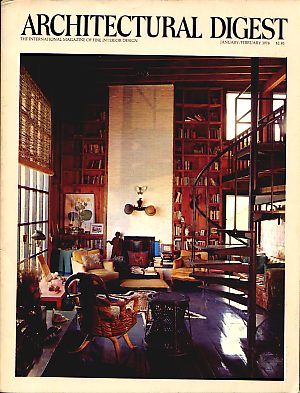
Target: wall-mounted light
x=149, y=210
x=39, y=237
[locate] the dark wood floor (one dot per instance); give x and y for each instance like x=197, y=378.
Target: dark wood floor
x=219, y=348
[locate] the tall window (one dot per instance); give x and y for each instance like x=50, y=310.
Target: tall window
x=238, y=113
x=242, y=207
x=35, y=166
x=278, y=101
x=33, y=214
x=237, y=110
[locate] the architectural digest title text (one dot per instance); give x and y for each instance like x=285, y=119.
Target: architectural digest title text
x=240, y=28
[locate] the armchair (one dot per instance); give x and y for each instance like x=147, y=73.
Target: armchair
x=105, y=270
x=100, y=314
x=183, y=267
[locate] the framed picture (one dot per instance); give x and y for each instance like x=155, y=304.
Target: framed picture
x=79, y=210
x=97, y=229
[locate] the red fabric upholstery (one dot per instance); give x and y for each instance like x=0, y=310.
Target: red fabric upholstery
x=140, y=258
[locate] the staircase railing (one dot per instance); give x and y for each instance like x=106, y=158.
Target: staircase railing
x=235, y=148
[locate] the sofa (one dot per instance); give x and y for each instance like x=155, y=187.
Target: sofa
x=90, y=261
x=270, y=288
x=182, y=266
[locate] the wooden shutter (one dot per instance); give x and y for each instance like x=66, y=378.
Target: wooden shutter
x=35, y=139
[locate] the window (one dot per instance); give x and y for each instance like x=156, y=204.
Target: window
x=242, y=207
x=35, y=160
x=240, y=113
x=278, y=101
x=33, y=214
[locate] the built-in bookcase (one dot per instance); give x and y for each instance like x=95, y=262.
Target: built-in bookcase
x=198, y=130
x=84, y=157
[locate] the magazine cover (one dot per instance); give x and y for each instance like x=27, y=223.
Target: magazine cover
x=149, y=196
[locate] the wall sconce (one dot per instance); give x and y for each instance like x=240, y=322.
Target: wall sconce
x=149, y=210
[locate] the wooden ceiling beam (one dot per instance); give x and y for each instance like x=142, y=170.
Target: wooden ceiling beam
x=176, y=78
x=275, y=80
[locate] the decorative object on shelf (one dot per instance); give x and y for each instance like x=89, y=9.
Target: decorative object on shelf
x=96, y=229
x=149, y=210
x=79, y=208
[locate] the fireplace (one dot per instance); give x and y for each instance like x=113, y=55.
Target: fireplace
x=139, y=243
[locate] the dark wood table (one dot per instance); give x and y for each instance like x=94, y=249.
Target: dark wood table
x=42, y=362
x=167, y=332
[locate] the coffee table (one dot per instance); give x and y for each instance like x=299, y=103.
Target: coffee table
x=141, y=283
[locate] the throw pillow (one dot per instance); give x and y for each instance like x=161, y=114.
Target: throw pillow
x=187, y=262
x=138, y=258
x=77, y=255
x=92, y=261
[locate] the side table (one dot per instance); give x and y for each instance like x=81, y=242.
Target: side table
x=52, y=296
x=167, y=332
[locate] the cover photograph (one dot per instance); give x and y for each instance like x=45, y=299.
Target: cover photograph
x=149, y=203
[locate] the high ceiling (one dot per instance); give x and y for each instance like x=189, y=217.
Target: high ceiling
x=66, y=78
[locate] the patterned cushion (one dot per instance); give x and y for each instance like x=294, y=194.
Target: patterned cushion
x=92, y=261
x=77, y=255
x=138, y=258
x=187, y=262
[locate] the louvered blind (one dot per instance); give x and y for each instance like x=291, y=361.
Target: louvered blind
x=35, y=126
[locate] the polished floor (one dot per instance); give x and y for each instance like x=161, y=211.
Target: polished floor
x=219, y=348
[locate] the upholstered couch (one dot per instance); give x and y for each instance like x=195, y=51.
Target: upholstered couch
x=182, y=266
x=105, y=269
x=269, y=288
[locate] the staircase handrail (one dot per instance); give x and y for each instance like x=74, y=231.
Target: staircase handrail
x=263, y=122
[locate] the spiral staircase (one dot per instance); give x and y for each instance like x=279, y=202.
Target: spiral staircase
x=253, y=162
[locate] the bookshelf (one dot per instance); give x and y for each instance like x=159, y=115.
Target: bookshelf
x=198, y=131
x=84, y=164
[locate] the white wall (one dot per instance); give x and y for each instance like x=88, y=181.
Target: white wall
x=140, y=152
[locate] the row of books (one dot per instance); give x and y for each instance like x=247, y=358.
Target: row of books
x=194, y=133
x=98, y=179
x=214, y=198
x=94, y=148
x=214, y=213
x=190, y=133
x=184, y=181
x=188, y=165
x=178, y=197
x=200, y=148
x=177, y=230
x=215, y=133
x=177, y=215
x=189, y=181
x=201, y=232
x=95, y=164
x=200, y=243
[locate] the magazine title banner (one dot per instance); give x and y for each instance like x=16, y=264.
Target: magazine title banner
x=131, y=27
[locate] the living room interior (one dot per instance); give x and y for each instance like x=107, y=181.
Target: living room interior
x=155, y=186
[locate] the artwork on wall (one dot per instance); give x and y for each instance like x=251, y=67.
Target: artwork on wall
x=97, y=229
x=79, y=211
